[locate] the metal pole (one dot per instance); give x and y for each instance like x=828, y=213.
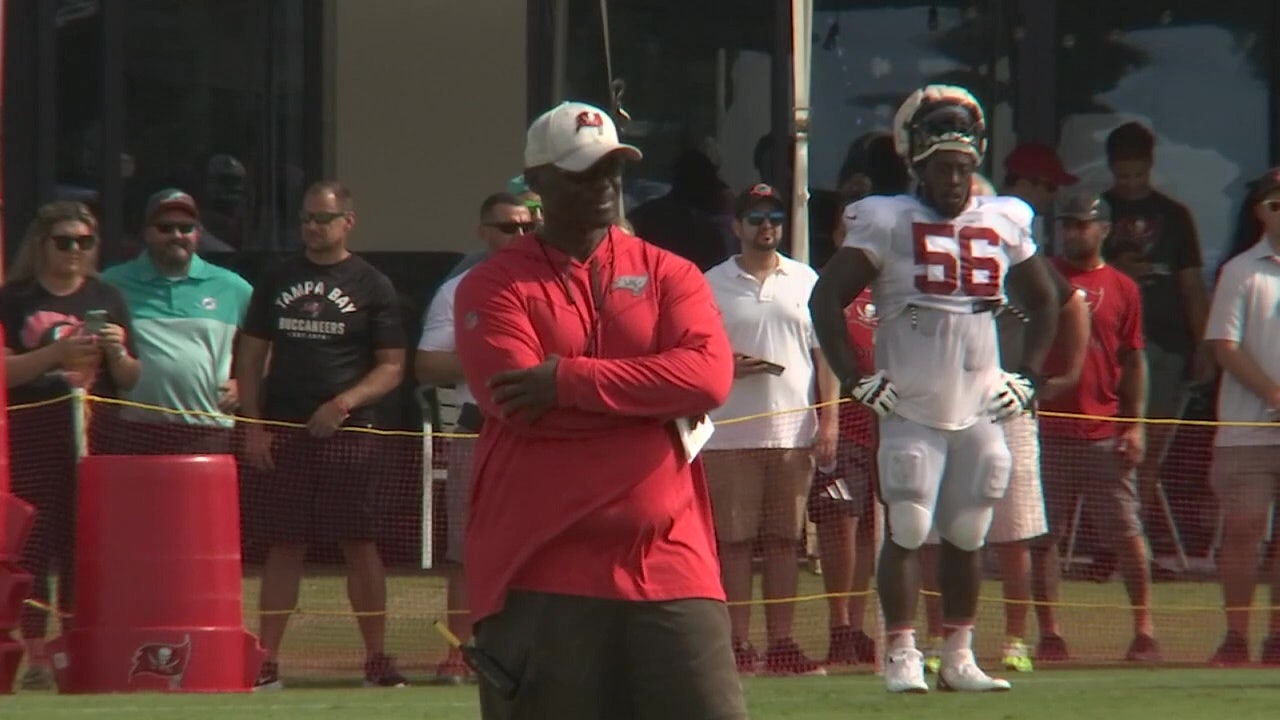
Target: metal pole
x=559, y=50
x=428, y=479
x=802, y=44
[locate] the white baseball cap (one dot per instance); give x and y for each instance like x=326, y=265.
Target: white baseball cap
x=573, y=136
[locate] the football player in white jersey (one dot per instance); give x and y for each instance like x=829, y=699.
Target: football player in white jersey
x=937, y=263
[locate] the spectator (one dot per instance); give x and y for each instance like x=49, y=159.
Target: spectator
x=330, y=322
x=532, y=200
x=841, y=502
x=1097, y=458
x=502, y=218
x=593, y=581
x=186, y=313
x=56, y=340
x=1034, y=172
x=1244, y=331
x=871, y=167
x=841, y=507
x=759, y=472
x=1153, y=240
x=688, y=221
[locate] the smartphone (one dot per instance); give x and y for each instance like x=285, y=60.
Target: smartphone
x=95, y=321
x=773, y=368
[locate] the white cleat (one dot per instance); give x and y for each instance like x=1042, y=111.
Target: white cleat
x=904, y=672
x=960, y=673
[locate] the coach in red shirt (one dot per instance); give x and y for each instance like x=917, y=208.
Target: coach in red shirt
x=590, y=554
x=1097, y=458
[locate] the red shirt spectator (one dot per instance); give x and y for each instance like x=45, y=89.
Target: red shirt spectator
x=595, y=498
x=1115, y=305
x=857, y=421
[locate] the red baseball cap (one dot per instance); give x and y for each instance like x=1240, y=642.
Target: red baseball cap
x=1037, y=161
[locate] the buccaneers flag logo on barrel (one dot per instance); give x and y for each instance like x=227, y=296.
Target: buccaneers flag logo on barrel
x=166, y=660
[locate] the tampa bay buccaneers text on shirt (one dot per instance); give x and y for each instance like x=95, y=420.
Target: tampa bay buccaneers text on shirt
x=303, y=309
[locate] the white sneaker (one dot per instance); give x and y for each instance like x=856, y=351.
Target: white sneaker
x=904, y=671
x=960, y=672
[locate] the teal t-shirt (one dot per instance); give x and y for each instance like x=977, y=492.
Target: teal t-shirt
x=184, y=330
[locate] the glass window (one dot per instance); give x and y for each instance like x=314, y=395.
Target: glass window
x=867, y=58
x=696, y=78
x=214, y=105
x=1195, y=73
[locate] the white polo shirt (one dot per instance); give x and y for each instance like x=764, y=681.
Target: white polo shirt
x=1246, y=310
x=770, y=321
x=438, y=333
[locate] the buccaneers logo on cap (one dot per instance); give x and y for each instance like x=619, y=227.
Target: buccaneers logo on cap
x=165, y=660
x=587, y=119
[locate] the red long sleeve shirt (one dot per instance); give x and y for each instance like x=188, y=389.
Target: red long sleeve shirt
x=594, y=499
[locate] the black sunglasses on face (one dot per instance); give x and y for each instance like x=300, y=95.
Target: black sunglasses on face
x=65, y=243
x=182, y=228
x=775, y=218
x=512, y=228
x=319, y=218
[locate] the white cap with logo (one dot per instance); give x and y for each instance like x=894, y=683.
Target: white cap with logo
x=573, y=136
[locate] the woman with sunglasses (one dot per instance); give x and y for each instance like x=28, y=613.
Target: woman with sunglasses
x=63, y=329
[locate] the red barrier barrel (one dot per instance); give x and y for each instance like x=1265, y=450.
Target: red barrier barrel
x=15, y=524
x=158, y=588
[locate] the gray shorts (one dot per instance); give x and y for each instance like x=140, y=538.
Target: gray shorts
x=1091, y=469
x=1166, y=382
x=457, y=496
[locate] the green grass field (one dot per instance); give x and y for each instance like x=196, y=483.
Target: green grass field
x=1061, y=695
x=1095, y=622
x=322, y=658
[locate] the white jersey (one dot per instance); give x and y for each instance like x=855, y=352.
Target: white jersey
x=936, y=275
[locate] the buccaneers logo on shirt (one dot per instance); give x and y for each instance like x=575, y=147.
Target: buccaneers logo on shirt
x=863, y=312
x=1092, y=297
x=1136, y=234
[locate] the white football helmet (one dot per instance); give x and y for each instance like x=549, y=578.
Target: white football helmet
x=939, y=117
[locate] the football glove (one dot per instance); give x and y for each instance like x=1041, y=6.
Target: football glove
x=1015, y=395
x=876, y=392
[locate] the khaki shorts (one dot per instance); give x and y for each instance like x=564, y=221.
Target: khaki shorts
x=759, y=492
x=1245, y=479
x=1090, y=468
x=580, y=658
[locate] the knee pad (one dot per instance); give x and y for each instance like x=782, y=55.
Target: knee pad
x=903, y=477
x=967, y=530
x=995, y=467
x=909, y=524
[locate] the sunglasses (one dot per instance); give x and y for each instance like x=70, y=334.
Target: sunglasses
x=181, y=228
x=65, y=243
x=319, y=218
x=512, y=228
x=775, y=218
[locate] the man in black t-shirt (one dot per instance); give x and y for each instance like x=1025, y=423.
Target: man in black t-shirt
x=1154, y=241
x=330, y=322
